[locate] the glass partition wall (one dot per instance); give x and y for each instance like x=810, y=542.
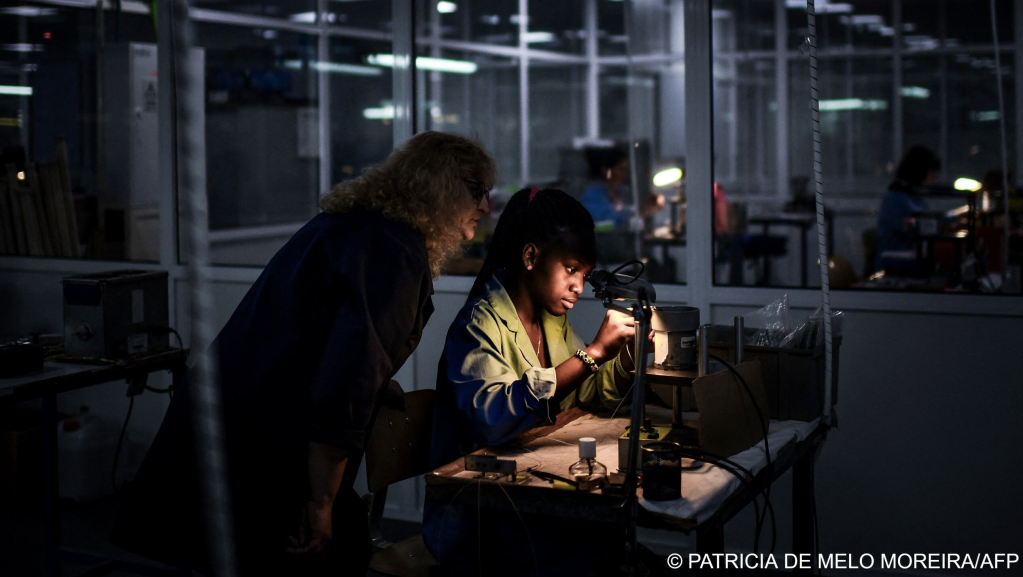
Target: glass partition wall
x=586, y=95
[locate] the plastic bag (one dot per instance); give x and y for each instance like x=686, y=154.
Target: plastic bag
x=772, y=323
x=811, y=333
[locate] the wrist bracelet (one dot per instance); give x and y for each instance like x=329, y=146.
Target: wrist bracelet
x=586, y=359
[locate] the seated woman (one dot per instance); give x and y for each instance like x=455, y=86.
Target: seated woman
x=511, y=362
x=896, y=223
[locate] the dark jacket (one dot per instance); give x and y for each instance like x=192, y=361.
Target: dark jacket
x=305, y=357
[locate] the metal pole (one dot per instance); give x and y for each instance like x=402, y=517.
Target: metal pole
x=203, y=386
x=403, y=75
x=642, y=316
x=739, y=323
x=323, y=97
x=523, y=93
x=704, y=338
x=592, y=71
x=1004, y=150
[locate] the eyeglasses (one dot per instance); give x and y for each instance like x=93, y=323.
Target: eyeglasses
x=478, y=189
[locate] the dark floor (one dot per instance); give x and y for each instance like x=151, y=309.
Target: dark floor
x=85, y=527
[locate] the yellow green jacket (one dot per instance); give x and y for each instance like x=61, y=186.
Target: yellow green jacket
x=490, y=385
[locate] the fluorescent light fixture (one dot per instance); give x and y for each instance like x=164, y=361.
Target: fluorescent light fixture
x=539, y=37
x=821, y=7
x=427, y=63
x=967, y=184
x=865, y=19
x=16, y=90
x=308, y=17
x=985, y=115
x=668, y=176
x=916, y=92
x=852, y=104
x=22, y=47
x=921, y=42
x=446, y=7
x=28, y=11
x=381, y=113
x=335, y=67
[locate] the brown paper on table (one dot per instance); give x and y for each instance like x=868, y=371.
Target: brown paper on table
x=728, y=418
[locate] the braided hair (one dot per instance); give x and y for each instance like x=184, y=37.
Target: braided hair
x=538, y=216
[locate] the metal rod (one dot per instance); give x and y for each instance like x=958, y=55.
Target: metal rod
x=642, y=316
x=739, y=323
x=704, y=349
x=676, y=407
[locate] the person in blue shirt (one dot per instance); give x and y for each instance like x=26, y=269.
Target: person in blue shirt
x=303, y=362
x=609, y=169
x=896, y=224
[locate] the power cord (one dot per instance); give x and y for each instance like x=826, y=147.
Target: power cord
x=120, y=443
x=764, y=489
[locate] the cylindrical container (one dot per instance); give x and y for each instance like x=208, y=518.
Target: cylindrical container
x=675, y=337
x=662, y=471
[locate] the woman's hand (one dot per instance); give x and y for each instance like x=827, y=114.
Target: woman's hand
x=628, y=354
x=616, y=330
x=314, y=531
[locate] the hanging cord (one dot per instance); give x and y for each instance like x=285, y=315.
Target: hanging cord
x=1001, y=128
x=637, y=244
x=205, y=393
x=822, y=247
x=120, y=444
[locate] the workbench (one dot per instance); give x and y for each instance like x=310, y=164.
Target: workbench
x=711, y=496
x=61, y=377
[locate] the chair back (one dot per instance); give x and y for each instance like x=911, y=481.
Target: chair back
x=399, y=442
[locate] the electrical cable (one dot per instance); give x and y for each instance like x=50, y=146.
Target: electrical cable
x=1001, y=127
x=764, y=488
x=816, y=526
x=181, y=343
x=822, y=246
x=120, y=443
x=727, y=465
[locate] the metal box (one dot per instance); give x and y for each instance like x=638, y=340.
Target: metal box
x=116, y=314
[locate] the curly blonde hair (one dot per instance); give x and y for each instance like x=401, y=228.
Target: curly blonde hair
x=422, y=184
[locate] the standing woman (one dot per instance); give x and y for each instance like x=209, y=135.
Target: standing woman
x=303, y=362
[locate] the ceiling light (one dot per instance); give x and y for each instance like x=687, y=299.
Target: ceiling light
x=446, y=7
x=335, y=67
x=306, y=17
x=427, y=63
x=915, y=92
x=538, y=37
x=16, y=90
x=381, y=113
x=841, y=104
x=28, y=11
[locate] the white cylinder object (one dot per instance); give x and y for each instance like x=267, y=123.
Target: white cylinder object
x=587, y=448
